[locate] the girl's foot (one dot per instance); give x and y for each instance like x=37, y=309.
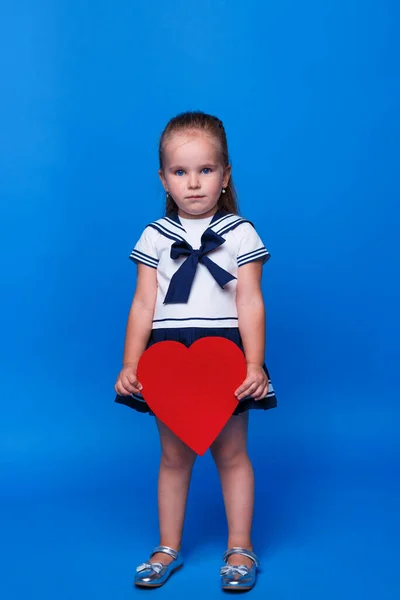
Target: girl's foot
x=154, y=573
x=236, y=575
x=161, y=557
x=238, y=559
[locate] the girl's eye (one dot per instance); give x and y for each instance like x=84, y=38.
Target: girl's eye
x=181, y=172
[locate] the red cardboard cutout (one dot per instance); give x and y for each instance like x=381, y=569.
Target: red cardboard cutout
x=191, y=390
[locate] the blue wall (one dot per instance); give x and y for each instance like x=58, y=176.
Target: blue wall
x=309, y=95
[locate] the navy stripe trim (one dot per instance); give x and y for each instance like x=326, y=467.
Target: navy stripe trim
x=140, y=254
x=219, y=221
x=266, y=256
x=252, y=252
x=172, y=232
x=233, y=226
x=142, y=261
x=174, y=237
x=226, y=226
x=198, y=319
x=174, y=223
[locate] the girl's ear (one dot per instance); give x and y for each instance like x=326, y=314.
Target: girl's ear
x=163, y=180
x=227, y=176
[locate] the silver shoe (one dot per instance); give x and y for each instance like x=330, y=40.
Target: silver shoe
x=156, y=574
x=239, y=578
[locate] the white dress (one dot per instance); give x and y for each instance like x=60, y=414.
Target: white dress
x=197, y=261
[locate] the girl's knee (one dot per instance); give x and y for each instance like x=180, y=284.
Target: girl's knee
x=174, y=453
x=229, y=457
x=177, y=459
x=230, y=447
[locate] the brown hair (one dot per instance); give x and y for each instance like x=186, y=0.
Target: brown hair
x=212, y=126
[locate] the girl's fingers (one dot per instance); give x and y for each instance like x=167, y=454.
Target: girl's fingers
x=264, y=391
x=124, y=387
x=132, y=379
x=245, y=390
x=131, y=387
x=247, y=383
x=137, y=386
x=121, y=391
x=256, y=393
x=241, y=389
x=255, y=389
x=260, y=393
x=135, y=383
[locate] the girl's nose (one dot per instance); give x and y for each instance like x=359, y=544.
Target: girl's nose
x=193, y=181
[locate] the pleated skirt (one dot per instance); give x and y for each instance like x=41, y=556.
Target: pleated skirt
x=187, y=336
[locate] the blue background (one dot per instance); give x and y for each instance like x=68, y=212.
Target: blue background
x=309, y=94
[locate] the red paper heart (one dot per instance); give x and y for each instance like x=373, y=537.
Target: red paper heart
x=191, y=390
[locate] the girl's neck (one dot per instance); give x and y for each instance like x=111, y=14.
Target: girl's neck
x=199, y=218
x=188, y=217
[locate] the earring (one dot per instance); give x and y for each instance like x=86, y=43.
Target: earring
x=223, y=190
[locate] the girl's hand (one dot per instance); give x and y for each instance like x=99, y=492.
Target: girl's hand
x=127, y=382
x=255, y=384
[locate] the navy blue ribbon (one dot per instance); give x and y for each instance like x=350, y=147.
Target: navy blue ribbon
x=181, y=282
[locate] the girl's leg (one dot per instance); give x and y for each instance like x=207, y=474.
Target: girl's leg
x=229, y=452
x=176, y=466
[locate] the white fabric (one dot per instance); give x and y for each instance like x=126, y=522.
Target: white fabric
x=208, y=305
x=194, y=229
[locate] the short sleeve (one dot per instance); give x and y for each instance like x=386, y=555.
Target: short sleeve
x=145, y=251
x=250, y=245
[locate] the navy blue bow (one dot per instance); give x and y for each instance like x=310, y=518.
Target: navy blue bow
x=181, y=281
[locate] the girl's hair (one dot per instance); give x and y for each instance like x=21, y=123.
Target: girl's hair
x=189, y=121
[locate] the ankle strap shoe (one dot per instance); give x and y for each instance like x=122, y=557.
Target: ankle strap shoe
x=239, y=578
x=156, y=574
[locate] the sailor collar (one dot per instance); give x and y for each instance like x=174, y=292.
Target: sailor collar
x=171, y=226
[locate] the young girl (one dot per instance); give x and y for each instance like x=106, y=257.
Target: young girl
x=170, y=304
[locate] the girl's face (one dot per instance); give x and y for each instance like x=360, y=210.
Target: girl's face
x=193, y=173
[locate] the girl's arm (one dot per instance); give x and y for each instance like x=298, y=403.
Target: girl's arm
x=251, y=314
x=138, y=329
x=141, y=314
